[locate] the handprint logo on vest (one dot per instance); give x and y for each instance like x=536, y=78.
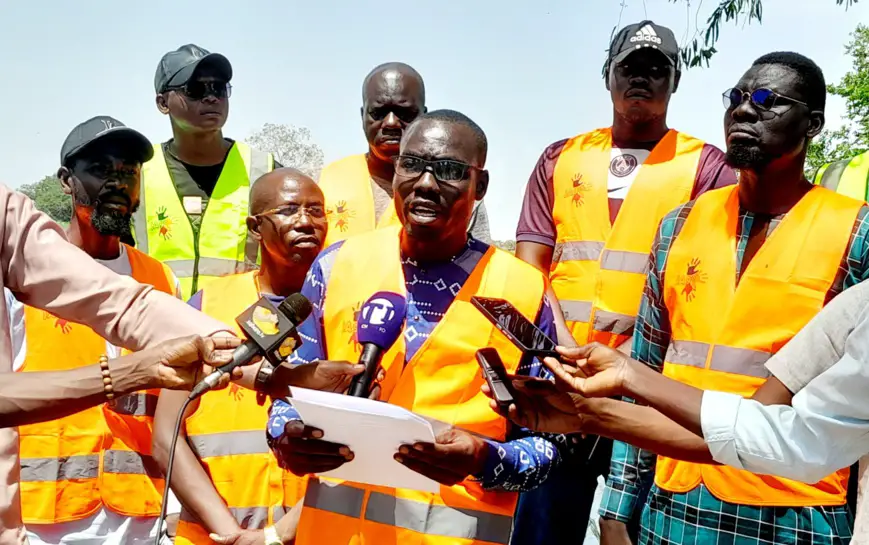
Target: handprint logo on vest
x=64, y=325
x=349, y=328
x=163, y=224
x=340, y=216
x=692, y=278
x=575, y=193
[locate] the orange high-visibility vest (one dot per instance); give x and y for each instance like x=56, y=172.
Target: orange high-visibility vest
x=227, y=433
x=723, y=332
x=131, y=483
x=599, y=272
x=60, y=460
x=441, y=381
x=346, y=185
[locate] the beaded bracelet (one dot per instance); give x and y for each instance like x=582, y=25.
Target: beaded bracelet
x=107, y=377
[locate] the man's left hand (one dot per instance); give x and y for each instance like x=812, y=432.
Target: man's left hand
x=245, y=537
x=454, y=456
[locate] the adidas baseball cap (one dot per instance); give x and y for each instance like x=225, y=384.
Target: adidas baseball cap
x=641, y=35
x=103, y=129
x=177, y=67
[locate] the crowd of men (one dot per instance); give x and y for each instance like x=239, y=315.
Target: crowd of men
x=639, y=249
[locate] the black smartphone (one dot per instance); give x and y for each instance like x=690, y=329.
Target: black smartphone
x=521, y=332
x=496, y=376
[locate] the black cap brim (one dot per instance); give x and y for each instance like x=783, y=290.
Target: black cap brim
x=627, y=53
x=216, y=60
x=131, y=141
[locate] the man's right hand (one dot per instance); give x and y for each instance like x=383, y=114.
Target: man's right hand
x=540, y=406
x=301, y=450
x=613, y=532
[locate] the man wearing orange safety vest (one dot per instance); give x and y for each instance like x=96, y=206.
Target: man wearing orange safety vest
x=225, y=477
x=358, y=188
x=588, y=219
x=431, y=369
x=734, y=275
x=90, y=476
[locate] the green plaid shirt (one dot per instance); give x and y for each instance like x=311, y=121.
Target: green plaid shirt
x=632, y=469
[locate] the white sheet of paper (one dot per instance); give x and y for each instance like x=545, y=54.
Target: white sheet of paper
x=373, y=430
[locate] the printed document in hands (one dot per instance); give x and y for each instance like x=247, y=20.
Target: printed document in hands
x=373, y=430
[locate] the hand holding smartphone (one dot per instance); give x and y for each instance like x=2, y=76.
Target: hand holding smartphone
x=496, y=377
x=516, y=327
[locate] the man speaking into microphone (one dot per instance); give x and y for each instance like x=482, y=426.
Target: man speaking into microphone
x=428, y=269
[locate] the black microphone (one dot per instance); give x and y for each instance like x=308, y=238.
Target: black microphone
x=270, y=331
x=379, y=326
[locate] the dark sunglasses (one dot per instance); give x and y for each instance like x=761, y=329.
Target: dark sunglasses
x=407, y=115
x=444, y=170
x=762, y=99
x=197, y=90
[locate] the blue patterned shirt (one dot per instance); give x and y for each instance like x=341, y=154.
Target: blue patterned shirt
x=632, y=469
x=522, y=463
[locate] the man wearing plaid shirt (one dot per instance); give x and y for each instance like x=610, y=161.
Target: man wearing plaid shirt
x=771, y=116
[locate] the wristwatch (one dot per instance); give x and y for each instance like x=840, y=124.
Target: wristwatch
x=261, y=382
x=271, y=536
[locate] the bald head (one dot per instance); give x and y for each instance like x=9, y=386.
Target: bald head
x=266, y=193
x=393, y=95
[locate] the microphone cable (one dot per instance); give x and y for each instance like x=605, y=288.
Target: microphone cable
x=178, y=421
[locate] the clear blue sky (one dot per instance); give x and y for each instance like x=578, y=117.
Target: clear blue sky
x=527, y=72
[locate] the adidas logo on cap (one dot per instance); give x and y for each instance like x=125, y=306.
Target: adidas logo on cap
x=646, y=34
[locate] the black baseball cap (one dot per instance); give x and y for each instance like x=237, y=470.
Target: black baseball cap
x=177, y=67
x=641, y=35
x=103, y=129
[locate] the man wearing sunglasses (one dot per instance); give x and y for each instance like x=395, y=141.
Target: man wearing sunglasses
x=591, y=208
x=234, y=495
x=439, y=175
x=359, y=188
x=101, y=162
x=734, y=275
x=196, y=188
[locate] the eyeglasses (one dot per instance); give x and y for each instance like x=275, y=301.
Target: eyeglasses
x=295, y=210
x=762, y=99
x=197, y=90
x=444, y=170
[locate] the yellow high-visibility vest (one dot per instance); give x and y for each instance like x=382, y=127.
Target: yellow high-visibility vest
x=223, y=245
x=849, y=177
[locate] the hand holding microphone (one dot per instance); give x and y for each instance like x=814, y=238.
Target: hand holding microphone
x=270, y=331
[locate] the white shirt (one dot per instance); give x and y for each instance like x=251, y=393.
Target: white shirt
x=827, y=426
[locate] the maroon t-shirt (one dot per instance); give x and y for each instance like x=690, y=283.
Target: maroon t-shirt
x=536, y=223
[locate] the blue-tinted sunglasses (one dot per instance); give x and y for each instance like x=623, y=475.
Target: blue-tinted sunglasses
x=762, y=99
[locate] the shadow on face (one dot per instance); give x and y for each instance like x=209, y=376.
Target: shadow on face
x=779, y=129
x=641, y=85
x=201, y=105
x=104, y=184
x=438, y=178
x=392, y=98
x=288, y=217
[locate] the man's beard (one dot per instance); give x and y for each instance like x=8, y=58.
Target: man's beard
x=747, y=157
x=110, y=223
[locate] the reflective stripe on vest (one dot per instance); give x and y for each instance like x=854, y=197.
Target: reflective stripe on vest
x=223, y=245
x=422, y=385
x=721, y=335
x=599, y=269
x=849, y=177
x=66, y=468
x=346, y=186
x=423, y=518
x=131, y=483
x=226, y=432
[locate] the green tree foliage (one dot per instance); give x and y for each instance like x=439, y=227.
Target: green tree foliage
x=852, y=138
x=291, y=146
x=49, y=197
x=700, y=49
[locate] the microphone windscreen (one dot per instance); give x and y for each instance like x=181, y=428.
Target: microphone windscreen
x=296, y=307
x=381, y=319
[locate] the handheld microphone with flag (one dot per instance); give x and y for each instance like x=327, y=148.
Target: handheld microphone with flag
x=379, y=325
x=270, y=331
